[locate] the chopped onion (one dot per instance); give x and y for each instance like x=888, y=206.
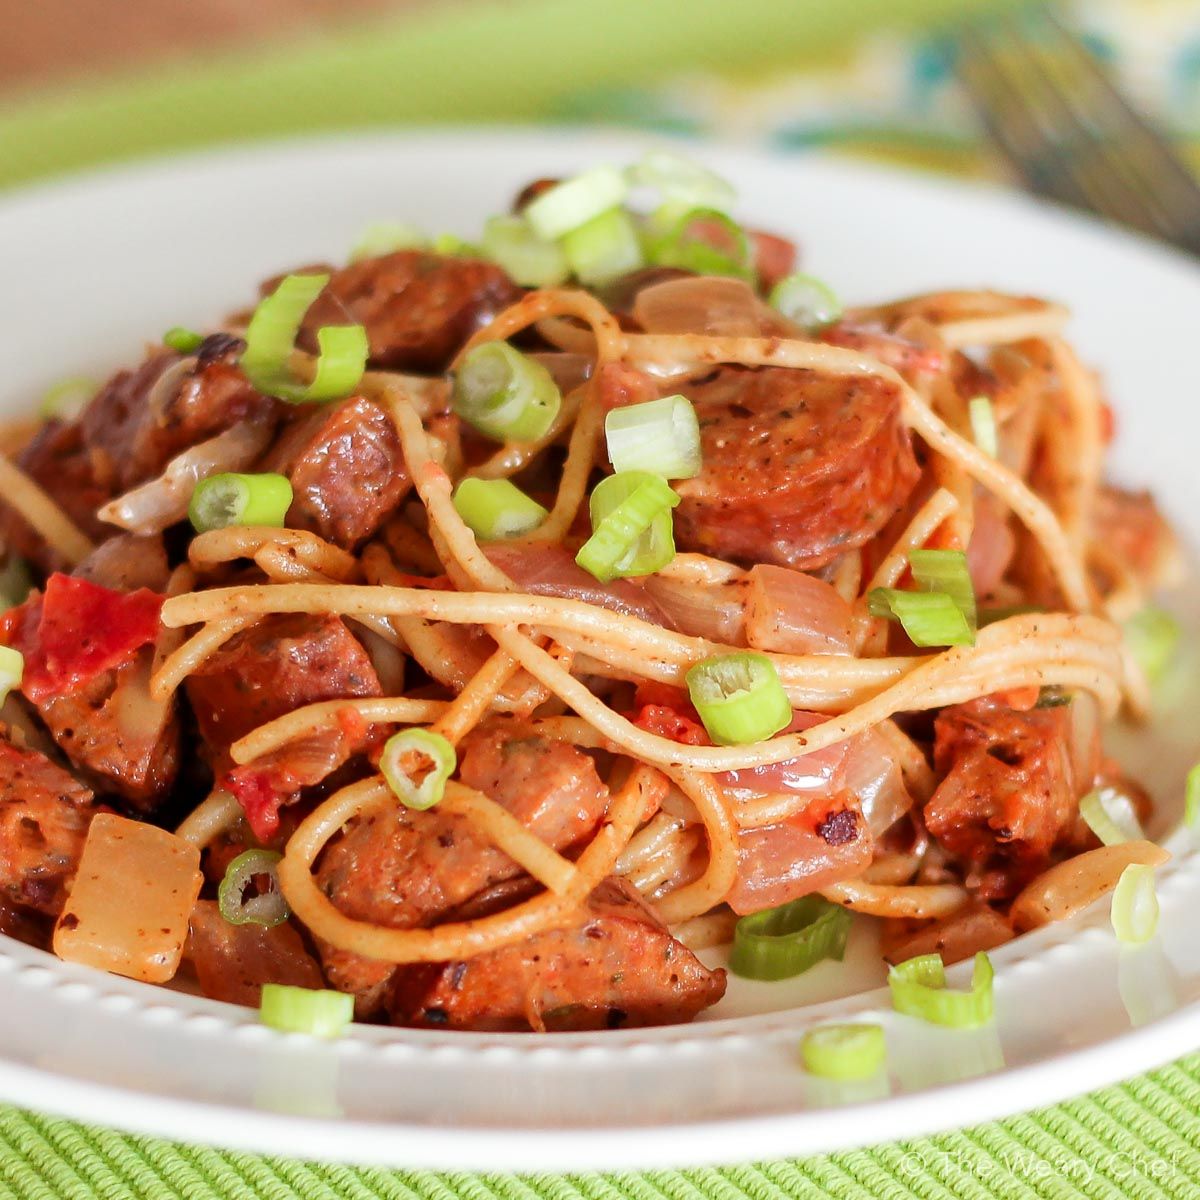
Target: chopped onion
x=708, y=304
x=716, y=611
x=162, y=502
x=874, y=776
x=789, y=612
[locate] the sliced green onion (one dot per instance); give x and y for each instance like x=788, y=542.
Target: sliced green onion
x=423, y=788
x=67, y=398
x=603, y=248
x=526, y=258
x=844, y=1052
x=496, y=508
x=946, y=571
x=929, y=618
x=16, y=582
x=386, y=237
x=919, y=990
x=688, y=241
x=183, y=341
x=1191, y=798
x=778, y=943
x=574, y=202
x=230, y=499
x=319, y=1013
x=505, y=394
x=450, y=245
x=12, y=670
x=632, y=530
x=1110, y=815
x=267, y=908
x=983, y=425
x=660, y=436
x=806, y=300
x=680, y=180
x=1152, y=637
x=739, y=698
x=271, y=337
x=1135, y=905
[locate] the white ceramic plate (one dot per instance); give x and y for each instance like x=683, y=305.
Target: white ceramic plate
x=95, y=266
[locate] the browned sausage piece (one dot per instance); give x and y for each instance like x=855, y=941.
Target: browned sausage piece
x=404, y=869
x=44, y=818
x=1010, y=794
x=418, y=308
x=282, y=663
x=120, y=741
x=141, y=419
x=617, y=966
x=798, y=466
x=346, y=467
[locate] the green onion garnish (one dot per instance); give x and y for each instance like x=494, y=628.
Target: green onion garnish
x=1110, y=815
x=451, y=245
x=423, y=788
x=919, y=990
x=661, y=436
x=929, y=618
x=496, y=508
x=689, y=241
x=12, y=670
x=319, y=1013
x=983, y=425
x=526, y=258
x=271, y=337
x=1152, y=636
x=183, y=341
x=1191, y=798
x=679, y=180
x=1135, y=905
x=739, y=698
x=574, y=202
x=946, y=571
x=778, y=943
x=632, y=530
x=67, y=398
x=504, y=394
x=230, y=499
x=603, y=248
x=386, y=237
x=267, y=908
x=808, y=301
x=844, y=1052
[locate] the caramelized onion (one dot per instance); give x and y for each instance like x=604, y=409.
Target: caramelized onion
x=163, y=502
x=716, y=611
x=706, y=304
x=790, y=612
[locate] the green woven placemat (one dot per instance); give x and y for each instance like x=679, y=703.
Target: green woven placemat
x=523, y=59
x=1136, y=1141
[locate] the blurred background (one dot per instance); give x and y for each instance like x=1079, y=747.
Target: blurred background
x=88, y=81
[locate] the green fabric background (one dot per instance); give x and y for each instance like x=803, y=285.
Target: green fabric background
x=520, y=60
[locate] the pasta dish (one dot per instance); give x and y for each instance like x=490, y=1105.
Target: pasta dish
x=479, y=635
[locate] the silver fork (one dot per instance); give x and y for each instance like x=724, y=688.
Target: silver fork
x=1055, y=114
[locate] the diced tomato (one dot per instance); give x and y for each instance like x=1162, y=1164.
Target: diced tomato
x=261, y=794
x=76, y=631
x=668, y=712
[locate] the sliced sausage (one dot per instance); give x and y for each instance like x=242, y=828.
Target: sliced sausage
x=346, y=467
x=280, y=664
x=141, y=419
x=404, y=869
x=615, y=967
x=798, y=467
x=418, y=308
x=44, y=818
x=1009, y=796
